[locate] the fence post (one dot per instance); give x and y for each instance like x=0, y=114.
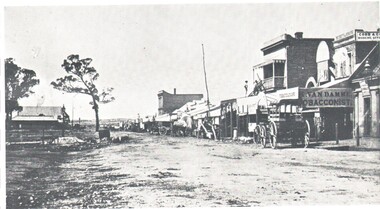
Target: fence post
x=336, y=133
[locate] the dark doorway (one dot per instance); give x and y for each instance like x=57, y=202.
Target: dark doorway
x=367, y=117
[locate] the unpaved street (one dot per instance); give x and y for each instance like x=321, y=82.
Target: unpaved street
x=156, y=171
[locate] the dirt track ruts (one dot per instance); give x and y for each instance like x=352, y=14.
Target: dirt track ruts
x=156, y=171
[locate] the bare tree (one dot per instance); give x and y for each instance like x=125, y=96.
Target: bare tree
x=80, y=79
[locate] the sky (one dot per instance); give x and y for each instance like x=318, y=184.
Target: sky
x=142, y=49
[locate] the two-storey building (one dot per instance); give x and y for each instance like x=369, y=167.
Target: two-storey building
x=167, y=102
x=356, y=60
x=289, y=61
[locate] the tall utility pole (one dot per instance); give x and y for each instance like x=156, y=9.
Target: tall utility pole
x=204, y=70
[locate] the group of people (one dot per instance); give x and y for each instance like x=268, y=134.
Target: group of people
x=258, y=86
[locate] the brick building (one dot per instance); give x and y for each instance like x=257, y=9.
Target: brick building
x=167, y=102
x=288, y=61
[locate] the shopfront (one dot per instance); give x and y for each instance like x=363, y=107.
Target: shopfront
x=366, y=87
x=330, y=109
x=228, y=118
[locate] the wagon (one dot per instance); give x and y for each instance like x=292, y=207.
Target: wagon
x=161, y=125
x=291, y=127
x=180, y=125
x=265, y=130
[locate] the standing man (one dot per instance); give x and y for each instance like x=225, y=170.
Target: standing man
x=246, y=88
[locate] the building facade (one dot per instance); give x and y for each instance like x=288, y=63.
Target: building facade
x=357, y=57
x=167, y=102
x=288, y=61
x=41, y=117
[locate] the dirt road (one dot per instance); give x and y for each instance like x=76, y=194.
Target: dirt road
x=155, y=171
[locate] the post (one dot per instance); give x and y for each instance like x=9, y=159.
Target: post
x=357, y=135
x=316, y=131
x=336, y=133
x=171, y=128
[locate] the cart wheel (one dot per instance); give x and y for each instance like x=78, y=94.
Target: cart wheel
x=274, y=142
x=162, y=131
x=273, y=134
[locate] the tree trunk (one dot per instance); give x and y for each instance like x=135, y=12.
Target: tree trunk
x=97, y=118
x=96, y=109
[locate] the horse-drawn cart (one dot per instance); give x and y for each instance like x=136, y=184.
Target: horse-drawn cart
x=176, y=125
x=272, y=119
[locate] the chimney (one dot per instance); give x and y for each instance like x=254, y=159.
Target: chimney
x=298, y=35
x=175, y=91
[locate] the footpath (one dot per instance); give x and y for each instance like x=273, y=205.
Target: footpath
x=366, y=144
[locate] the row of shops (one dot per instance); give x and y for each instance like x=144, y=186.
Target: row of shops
x=328, y=87
x=330, y=84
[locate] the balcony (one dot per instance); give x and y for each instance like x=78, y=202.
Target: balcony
x=274, y=83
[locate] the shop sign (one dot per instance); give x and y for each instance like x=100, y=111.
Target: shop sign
x=328, y=97
x=288, y=94
x=367, y=36
x=365, y=89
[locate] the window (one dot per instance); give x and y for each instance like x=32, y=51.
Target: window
x=279, y=69
x=349, y=55
x=268, y=71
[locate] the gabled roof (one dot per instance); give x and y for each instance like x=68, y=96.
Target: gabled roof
x=40, y=111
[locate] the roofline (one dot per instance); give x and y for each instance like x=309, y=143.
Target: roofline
x=163, y=91
x=42, y=106
x=286, y=38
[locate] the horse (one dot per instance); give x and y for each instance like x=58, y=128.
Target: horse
x=183, y=126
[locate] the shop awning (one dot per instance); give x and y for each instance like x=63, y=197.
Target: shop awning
x=163, y=118
x=249, y=105
x=337, y=83
x=269, y=62
x=213, y=112
x=190, y=106
x=200, y=110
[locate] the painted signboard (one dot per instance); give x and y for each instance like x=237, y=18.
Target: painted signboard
x=285, y=94
x=365, y=89
x=329, y=97
x=367, y=36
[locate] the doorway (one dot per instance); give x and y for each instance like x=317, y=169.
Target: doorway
x=367, y=117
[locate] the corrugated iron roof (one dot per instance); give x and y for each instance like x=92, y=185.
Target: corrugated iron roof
x=40, y=110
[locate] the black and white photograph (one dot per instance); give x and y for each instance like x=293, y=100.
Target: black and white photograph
x=214, y=104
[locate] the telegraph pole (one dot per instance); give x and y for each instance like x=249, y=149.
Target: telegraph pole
x=204, y=70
